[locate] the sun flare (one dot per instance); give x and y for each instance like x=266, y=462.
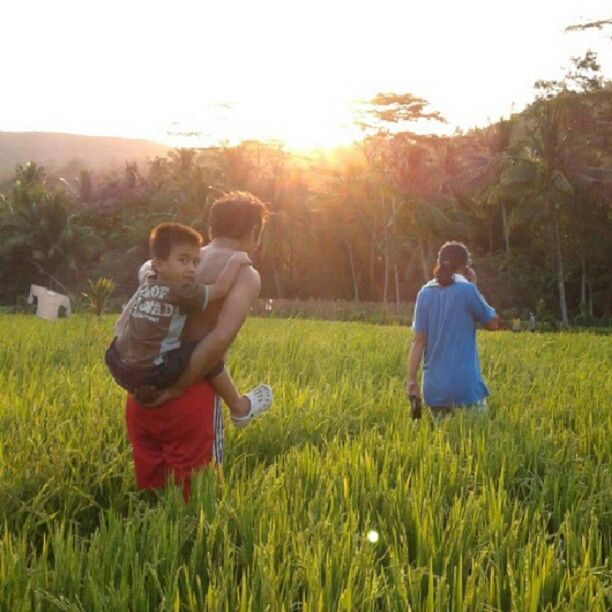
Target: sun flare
x=211, y=73
x=299, y=123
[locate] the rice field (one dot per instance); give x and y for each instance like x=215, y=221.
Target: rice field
x=335, y=500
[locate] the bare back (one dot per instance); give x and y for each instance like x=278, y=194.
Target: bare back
x=212, y=261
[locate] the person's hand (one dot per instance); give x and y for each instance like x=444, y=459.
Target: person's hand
x=145, y=271
x=470, y=274
x=165, y=396
x=412, y=389
x=242, y=258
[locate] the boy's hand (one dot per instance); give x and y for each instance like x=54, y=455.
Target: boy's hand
x=241, y=258
x=165, y=396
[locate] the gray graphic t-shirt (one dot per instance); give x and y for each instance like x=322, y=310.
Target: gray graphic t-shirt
x=153, y=321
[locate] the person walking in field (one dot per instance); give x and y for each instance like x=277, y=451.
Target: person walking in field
x=531, y=323
x=447, y=311
x=148, y=353
x=184, y=430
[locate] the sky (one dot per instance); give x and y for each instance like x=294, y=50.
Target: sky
x=289, y=70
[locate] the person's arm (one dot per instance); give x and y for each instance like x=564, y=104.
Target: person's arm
x=493, y=325
x=417, y=349
x=480, y=310
x=233, y=313
x=228, y=276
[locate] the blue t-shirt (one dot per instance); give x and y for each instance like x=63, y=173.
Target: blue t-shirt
x=448, y=317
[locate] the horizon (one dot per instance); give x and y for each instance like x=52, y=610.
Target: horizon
x=298, y=84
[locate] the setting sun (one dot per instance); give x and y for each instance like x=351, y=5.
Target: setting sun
x=298, y=122
x=200, y=74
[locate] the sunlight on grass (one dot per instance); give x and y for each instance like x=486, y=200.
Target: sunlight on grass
x=334, y=500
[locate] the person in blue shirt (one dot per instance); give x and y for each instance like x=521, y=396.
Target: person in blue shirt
x=447, y=311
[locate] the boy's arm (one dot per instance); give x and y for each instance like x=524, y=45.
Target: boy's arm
x=122, y=321
x=144, y=272
x=227, y=278
x=235, y=310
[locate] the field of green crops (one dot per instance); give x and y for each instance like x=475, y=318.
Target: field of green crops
x=508, y=512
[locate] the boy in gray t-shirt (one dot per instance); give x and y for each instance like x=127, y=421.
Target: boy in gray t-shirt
x=148, y=353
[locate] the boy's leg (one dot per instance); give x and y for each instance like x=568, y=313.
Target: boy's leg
x=158, y=388
x=243, y=408
x=223, y=384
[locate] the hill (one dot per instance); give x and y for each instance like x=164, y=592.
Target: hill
x=58, y=150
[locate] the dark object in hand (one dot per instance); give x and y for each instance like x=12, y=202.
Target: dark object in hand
x=415, y=407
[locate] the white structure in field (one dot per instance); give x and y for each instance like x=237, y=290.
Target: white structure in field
x=48, y=302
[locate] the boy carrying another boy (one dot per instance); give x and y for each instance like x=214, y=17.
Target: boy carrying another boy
x=149, y=354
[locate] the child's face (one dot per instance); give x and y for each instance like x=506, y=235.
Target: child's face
x=181, y=264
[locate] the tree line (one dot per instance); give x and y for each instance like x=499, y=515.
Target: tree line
x=530, y=196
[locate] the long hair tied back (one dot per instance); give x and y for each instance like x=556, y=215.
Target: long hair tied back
x=452, y=256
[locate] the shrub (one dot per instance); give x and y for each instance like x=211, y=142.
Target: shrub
x=98, y=294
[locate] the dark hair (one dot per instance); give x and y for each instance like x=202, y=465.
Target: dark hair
x=166, y=235
x=452, y=256
x=235, y=214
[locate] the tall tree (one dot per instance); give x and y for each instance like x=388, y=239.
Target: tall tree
x=550, y=165
x=482, y=165
x=42, y=239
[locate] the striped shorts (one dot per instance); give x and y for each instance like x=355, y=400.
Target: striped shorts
x=176, y=438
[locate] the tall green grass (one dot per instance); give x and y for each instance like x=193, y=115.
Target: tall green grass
x=508, y=512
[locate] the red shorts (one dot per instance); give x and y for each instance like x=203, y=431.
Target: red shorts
x=184, y=434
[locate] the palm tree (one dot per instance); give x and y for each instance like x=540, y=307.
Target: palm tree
x=418, y=169
x=342, y=198
x=482, y=164
x=550, y=166
x=37, y=229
